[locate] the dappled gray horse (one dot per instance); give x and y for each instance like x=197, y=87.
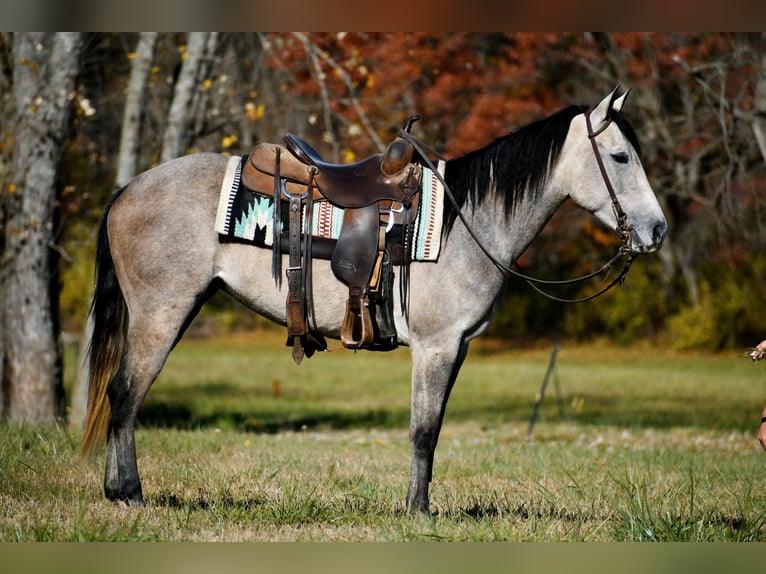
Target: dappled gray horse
x=155, y=268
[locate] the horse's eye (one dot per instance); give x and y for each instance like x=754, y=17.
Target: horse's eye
x=621, y=157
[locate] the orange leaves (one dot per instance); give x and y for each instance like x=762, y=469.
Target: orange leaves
x=254, y=111
x=490, y=117
x=691, y=145
x=228, y=141
x=468, y=87
x=601, y=236
x=348, y=155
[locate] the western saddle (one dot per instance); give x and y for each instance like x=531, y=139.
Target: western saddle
x=375, y=194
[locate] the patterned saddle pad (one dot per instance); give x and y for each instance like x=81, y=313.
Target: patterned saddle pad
x=249, y=216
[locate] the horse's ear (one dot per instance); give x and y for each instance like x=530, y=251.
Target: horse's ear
x=619, y=102
x=600, y=114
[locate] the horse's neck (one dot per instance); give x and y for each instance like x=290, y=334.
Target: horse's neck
x=506, y=237
x=466, y=272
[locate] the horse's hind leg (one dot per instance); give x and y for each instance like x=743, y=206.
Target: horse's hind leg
x=150, y=340
x=121, y=480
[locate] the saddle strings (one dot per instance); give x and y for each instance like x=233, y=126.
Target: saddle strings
x=276, y=247
x=623, y=250
x=408, y=232
x=307, y=264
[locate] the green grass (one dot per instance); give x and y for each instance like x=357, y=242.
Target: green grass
x=656, y=446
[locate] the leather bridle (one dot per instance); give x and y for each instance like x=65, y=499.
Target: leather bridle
x=623, y=229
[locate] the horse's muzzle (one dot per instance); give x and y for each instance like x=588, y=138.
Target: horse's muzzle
x=659, y=231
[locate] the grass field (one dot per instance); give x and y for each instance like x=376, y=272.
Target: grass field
x=238, y=443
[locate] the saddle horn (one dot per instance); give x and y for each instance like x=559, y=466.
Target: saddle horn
x=411, y=120
x=398, y=154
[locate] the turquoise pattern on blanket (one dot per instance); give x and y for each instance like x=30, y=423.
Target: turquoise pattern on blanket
x=258, y=216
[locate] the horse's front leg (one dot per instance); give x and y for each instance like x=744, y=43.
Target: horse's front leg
x=434, y=370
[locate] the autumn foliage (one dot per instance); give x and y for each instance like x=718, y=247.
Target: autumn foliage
x=697, y=102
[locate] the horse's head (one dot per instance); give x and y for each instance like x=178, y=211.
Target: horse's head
x=587, y=183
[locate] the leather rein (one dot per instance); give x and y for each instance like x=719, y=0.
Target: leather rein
x=623, y=229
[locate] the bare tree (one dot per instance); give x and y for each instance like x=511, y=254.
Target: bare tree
x=698, y=119
x=45, y=67
x=759, y=117
x=196, y=65
x=130, y=136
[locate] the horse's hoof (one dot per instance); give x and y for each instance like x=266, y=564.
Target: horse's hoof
x=123, y=503
x=135, y=500
x=420, y=510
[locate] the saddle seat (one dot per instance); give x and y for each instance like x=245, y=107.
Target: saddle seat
x=376, y=178
x=397, y=156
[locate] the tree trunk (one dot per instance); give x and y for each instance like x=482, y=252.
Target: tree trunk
x=45, y=68
x=180, y=117
x=130, y=136
x=759, y=118
x=127, y=167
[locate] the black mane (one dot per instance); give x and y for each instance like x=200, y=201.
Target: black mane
x=519, y=162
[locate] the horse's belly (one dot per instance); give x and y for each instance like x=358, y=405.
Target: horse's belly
x=246, y=272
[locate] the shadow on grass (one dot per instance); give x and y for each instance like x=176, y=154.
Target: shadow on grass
x=479, y=511
x=182, y=416
x=203, y=500
x=268, y=417
x=628, y=526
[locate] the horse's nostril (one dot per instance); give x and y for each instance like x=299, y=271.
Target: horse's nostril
x=659, y=231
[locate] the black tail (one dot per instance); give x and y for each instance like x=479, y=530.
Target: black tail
x=109, y=315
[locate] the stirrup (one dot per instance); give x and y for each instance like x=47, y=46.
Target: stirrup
x=357, y=331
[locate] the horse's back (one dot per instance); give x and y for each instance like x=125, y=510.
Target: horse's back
x=182, y=191
x=181, y=183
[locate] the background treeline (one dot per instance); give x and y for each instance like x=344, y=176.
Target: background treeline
x=697, y=102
